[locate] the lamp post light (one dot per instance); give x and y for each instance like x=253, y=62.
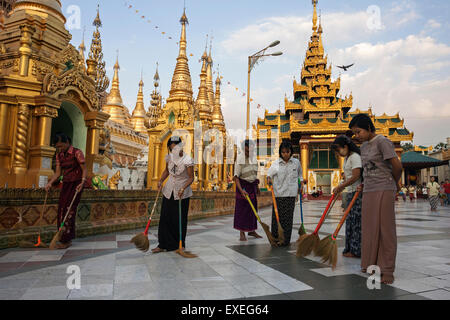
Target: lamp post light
x=252, y=61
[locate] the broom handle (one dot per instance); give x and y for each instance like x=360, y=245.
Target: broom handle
x=151, y=214
x=301, y=200
x=324, y=214
x=274, y=200
x=253, y=208
x=179, y=217
x=70, y=207
x=344, y=217
x=43, y=210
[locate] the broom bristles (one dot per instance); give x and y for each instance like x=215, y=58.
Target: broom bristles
x=141, y=242
x=306, y=244
x=322, y=247
x=186, y=254
x=55, y=240
x=301, y=230
x=281, y=238
x=334, y=256
x=269, y=235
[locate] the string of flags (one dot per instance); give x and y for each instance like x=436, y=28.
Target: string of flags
x=133, y=8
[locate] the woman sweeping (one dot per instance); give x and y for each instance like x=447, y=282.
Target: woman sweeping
x=180, y=171
x=381, y=171
x=283, y=176
x=70, y=164
x=433, y=192
x=245, y=177
x=345, y=147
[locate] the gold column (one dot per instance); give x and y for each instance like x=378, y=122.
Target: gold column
x=304, y=151
x=200, y=168
x=20, y=148
x=157, y=148
x=5, y=148
x=207, y=173
x=41, y=153
x=25, y=49
x=95, y=122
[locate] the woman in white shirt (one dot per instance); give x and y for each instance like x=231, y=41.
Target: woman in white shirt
x=180, y=171
x=284, y=175
x=345, y=147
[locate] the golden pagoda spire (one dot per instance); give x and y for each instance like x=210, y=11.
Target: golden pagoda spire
x=217, y=117
x=320, y=23
x=114, y=105
x=96, y=56
x=155, y=104
x=139, y=116
x=209, y=77
x=181, y=81
x=202, y=104
x=315, y=14
x=82, y=49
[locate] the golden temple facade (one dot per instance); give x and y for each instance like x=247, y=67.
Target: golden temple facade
x=316, y=117
x=46, y=86
x=192, y=119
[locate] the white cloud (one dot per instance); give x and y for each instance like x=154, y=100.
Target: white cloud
x=432, y=24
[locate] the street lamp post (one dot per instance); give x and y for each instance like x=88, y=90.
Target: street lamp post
x=252, y=61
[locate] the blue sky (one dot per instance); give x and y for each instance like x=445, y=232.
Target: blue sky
x=402, y=62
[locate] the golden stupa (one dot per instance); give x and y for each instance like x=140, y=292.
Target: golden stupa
x=181, y=114
x=46, y=86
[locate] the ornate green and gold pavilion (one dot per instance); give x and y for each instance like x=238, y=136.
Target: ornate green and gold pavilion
x=316, y=117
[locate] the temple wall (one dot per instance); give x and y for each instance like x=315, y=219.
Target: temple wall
x=97, y=212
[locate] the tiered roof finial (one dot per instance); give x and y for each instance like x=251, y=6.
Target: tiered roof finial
x=82, y=49
x=114, y=105
x=96, y=54
x=315, y=14
x=209, y=75
x=181, y=81
x=139, y=116
x=155, y=104
x=202, y=104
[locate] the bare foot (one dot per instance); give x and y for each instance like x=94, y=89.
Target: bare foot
x=158, y=250
x=255, y=235
x=364, y=270
x=387, y=279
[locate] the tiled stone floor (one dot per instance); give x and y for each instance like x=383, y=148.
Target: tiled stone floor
x=111, y=268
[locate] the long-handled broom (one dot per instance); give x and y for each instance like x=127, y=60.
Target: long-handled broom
x=265, y=227
x=280, y=228
x=327, y=247
x=308, y=242
x=180, y=250
x=57, y=236
x=301, y=230
x=39, y=244
x=141, y=240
